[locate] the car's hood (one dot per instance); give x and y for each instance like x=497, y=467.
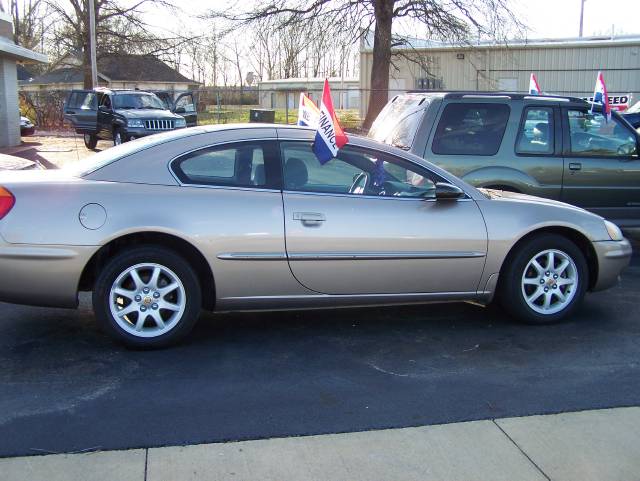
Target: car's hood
x=147, y=114
x=503, y=195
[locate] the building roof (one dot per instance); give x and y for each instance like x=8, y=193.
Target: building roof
x=429, y=44
x=16, y=52
x=139, y=68
x=305, y=83
x=23, y=73
x=65, y=75
x=127, y=68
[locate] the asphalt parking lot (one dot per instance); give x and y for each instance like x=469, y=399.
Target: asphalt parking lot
x=66, y=387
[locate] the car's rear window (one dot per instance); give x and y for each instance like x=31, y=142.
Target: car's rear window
x=399, y=120
x=91, y=164
x=471, y=129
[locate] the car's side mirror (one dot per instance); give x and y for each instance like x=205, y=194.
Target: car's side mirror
x=180, y=110
x=104, y=108
x=446, y=191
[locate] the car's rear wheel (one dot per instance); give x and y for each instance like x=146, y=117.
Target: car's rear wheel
x=545, y=280
x=118, y=137
x=147, y=297
x=90, y=141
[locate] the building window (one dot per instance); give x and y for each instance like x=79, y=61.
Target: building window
x=429, y=83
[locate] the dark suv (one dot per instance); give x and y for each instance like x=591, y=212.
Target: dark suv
x=548, y=146
x=120, y=115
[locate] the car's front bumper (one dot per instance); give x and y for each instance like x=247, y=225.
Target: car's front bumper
x=137, y=132
x=613, y=257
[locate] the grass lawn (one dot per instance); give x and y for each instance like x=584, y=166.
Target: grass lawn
x=228, y=114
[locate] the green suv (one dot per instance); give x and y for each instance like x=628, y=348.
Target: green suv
x=547, y=146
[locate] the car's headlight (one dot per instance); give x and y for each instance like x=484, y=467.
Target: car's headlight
x=181, y=123
x=135, y=123
x=614, y=231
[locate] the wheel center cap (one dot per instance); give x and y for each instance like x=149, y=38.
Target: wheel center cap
x=147, y=300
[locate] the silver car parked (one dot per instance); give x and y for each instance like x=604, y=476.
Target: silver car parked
x=244, y=217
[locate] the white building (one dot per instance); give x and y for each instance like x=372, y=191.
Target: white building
x=285, y=93
x=562, y=66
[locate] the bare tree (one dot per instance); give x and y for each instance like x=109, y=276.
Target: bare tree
x=120, y=28
x=451, y=20
x=31, y=22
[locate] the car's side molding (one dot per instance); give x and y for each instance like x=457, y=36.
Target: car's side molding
x=252, y=256
x=339, y=256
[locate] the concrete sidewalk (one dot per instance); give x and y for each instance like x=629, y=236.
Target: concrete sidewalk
x=589, y=445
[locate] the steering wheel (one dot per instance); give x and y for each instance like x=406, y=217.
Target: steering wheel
x=583, y=140
x=626, y=149
x=359, y=183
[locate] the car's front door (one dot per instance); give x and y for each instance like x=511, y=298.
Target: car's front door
x=105, y=116
x=602, y=166
x=185, y=106
x=81, y=109
x=368, y=223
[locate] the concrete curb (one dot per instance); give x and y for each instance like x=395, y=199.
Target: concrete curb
x=582, y=446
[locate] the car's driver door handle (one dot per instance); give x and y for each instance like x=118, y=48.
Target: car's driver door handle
x=575, y=166
x=309, y=218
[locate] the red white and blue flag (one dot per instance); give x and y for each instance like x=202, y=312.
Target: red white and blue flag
x=600, y=96
x=308, y=112
x=329, y=136
x=534, y=88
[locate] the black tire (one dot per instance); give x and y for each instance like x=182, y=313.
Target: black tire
x=511, y=295
x=119, y=137
x=90, y=141
x=140, y=255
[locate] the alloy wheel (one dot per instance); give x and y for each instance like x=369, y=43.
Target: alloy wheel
x=147, y=300
x=550, y=281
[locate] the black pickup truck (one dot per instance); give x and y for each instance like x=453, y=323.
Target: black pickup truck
x=118, y=115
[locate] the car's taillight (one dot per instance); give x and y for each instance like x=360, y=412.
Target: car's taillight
x=7, y=201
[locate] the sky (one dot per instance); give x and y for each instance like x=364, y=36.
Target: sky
x=561, y=18
x=544, y=18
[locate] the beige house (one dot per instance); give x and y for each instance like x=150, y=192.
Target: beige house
x=562, y=66
x=144, y=72
x=285, y=93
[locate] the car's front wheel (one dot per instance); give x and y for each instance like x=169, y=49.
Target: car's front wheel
x=90, y=141
x=147, y=297
x=544, y=280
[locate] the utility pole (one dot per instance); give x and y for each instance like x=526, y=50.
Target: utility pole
x=92, y=43
x=581, y=15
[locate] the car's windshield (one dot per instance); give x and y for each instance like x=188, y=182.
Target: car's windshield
x=399, y=120
x=634, y=109
x=137, y=101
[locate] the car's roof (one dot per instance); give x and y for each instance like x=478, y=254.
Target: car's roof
x=470, y=94
x=106, y=90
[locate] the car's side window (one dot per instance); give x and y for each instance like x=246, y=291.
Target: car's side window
x=355, y=171
x=241, y=164
x=592, y=135
x=471, y=129
x=536, y=135
x=89, y=102
x=186, y=102
x=106, y=101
